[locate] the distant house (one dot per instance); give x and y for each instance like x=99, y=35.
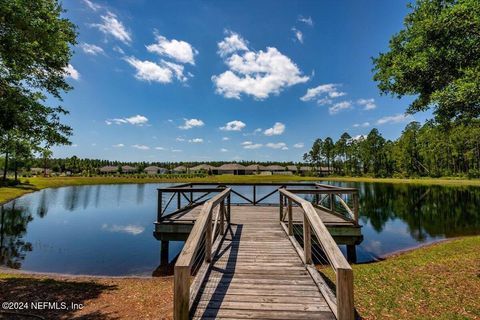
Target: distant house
x=40, y=171
x=128, y=169
x=232, y=168
x=252, y=169
x=204, y=168
x=275, y=168
x=108, y=169
x=155, y=170
x=180, y=169
x=293, y=169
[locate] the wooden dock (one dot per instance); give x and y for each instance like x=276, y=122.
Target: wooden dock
x=256, y=262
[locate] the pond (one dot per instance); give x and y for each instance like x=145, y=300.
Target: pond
x=108, y=229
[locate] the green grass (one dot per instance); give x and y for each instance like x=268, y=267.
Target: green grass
x=38, y=183
x=441, y=281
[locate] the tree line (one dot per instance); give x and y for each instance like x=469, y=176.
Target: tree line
x=431, y=150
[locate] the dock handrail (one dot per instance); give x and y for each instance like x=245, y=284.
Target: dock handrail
x=341, y=305
x=184, y=293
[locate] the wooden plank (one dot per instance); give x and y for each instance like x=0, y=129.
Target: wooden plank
x=262, y=314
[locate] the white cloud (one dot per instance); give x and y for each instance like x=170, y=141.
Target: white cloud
x=130, y=229
x=71, y=72
x=278, y=145
x=141, y=147
x=360, y=136
x=196, y=140
x=308, y=21
x=299, y=145
x=150, y=71
x=91, y=49
x=178, y=50
x=177, y=69
x=251, y=145
x=112, y=26
x=159, y=148
x=225, y=138
x=337, y=107
x=363, y=125
x=277, y=129
x=298, y=34
x=180, y=139
x=138, y=120
x=368, y=104
x=223, y=150
x=120, y=145
x=394, y=119
x=328, y=91
x=235, y=125
x=234, y=42
x=92, y=5
x=176, y=150
x=118, y=49
x=191, y=123
x=258, y=74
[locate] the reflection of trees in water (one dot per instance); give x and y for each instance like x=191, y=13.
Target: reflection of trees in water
x=72, y=197
x=428, y=211
x=13, y=226
x=97, y=195
x=42, y=208
x=119, y=193
x=86, y=197
x=140, y=193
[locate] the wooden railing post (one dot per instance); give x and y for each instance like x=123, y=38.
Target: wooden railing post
x=281, y=206
x=254, y=194
x=181, y=293
x=290, y=222
x=355, y=207
x=208, y=238
x=179, y=200
x=332, y=203
x=345, y=307
x=222, y=217
x=159, y=204
x=307, y=240
x=228, y=209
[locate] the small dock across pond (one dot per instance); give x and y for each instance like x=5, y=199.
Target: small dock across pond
x=251, y=250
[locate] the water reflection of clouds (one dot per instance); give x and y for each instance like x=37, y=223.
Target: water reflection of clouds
x=130, y=228
x=373, y=246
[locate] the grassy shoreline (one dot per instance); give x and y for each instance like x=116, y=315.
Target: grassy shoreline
x=438, y=281
x=37, y=183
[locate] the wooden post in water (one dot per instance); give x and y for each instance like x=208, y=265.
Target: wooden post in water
x=290, y=222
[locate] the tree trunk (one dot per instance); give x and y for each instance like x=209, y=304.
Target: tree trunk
x=6, y=167
x=15, y=169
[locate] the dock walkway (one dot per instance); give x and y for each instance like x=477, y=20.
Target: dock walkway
x=256, y=261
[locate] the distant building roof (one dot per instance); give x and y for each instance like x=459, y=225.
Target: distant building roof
x=109, y=169
x=153, y=168
x=180, y=169
x=231, y=166
x=305, y=168
x=128, y=168
x=202, y=167
x=253, y=167
x=275, y=168
x=292, y=168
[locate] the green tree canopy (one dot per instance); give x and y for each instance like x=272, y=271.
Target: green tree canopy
x=436, y=57
x=35, y=49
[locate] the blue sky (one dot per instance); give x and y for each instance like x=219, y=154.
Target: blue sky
x=226, y=80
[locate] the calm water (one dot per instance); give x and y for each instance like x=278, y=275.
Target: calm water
x=107, y=229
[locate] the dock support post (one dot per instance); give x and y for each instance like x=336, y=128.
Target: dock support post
x=352, y=253
x=332, y=203
x=164, y=253
x=254, y=195
x=290, y=222
x=179, y=200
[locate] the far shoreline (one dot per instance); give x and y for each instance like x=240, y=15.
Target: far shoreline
x=33, y=184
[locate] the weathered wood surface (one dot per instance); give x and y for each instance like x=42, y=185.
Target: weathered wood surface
x=257, y=274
